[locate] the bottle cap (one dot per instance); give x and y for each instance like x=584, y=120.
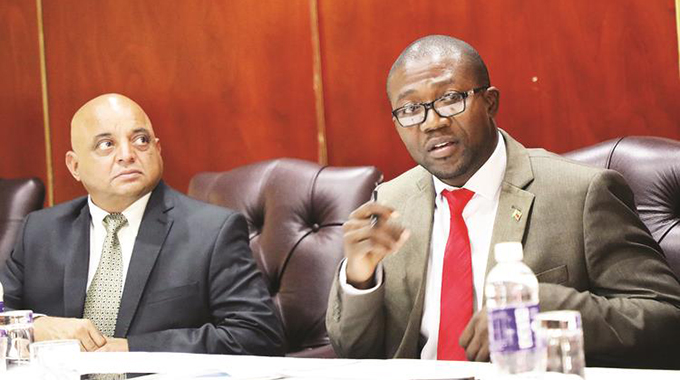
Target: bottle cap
x=508, y=251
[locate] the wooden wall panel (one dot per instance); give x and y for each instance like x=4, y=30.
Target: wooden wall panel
x=22, y=140
x=225, y=83
x=571, y=73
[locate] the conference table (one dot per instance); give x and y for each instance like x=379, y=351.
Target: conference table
x=175, y=366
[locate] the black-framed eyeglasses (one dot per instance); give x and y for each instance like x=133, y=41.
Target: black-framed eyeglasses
x=450, y=104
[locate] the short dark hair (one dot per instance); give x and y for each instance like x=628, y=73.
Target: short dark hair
x=444, y=46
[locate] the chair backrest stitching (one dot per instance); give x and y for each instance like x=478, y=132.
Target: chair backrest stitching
x=667, y=231
x=289, y=255
x=611, y=153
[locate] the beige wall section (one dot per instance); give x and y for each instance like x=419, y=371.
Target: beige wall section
x=45, y=106
x=318, y=83
x=677, y=24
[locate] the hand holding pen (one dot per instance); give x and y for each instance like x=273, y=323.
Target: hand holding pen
x=371, y=233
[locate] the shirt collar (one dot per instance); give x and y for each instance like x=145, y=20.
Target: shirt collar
x=133, y=213
x=486, y=182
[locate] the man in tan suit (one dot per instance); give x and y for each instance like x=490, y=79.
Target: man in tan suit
x=578, y=225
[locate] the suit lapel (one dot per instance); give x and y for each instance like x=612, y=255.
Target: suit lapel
x=77, y=264
x=514, y=205
x=153, y=231
x=418, y=211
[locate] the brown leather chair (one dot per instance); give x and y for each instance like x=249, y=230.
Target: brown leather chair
x=651, y=166
x=295, y=211
x=18, y=197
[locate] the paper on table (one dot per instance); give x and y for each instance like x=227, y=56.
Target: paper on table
x=238, y=367
x=397, y=369
x=257, y=367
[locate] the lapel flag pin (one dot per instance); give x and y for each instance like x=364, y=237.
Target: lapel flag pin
x=516, y=214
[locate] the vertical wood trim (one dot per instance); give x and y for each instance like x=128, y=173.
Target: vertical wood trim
x=46, y=113
x=677, y=25
x=318, y=84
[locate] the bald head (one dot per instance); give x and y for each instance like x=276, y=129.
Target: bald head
x=115, y=153
x=104, y=109
x=438, y=48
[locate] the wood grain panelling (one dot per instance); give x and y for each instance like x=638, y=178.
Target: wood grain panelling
x=21, y=126
x=224, y=82
x=571, y=73
x=231, y=82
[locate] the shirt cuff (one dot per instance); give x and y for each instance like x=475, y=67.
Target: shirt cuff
x=351, y=290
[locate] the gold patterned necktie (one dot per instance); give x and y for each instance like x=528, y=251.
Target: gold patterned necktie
x=103, y=296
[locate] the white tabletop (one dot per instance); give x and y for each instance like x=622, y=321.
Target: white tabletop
x=184, y=366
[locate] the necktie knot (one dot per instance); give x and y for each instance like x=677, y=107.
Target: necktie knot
x=114, y=222
x=457, y=199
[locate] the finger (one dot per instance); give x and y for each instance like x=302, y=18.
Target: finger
x=378, y=236
x=371, y=208
x=405, y=234
x=475, y=349
x=97, y=337
x=85, y=333
x=366, y=224
x=357, y=235
x=376, y=251
x=355, y=224
x=385, y=239
x=369, y=251
x=483, y=353
x=472, y=348
x=394, y=229
x=86, y=341
x=468, y=333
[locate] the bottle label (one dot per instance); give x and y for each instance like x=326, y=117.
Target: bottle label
x=510, y=328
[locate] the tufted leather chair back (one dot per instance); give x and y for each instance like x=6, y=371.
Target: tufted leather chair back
x=18, y=197
x=651, y=166
x=295, y=211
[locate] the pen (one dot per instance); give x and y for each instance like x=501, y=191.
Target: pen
x=374, y=217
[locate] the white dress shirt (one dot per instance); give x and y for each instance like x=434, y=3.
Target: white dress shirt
x=126, y=235
x=479, y=216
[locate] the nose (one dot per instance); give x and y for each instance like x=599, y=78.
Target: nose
x=126, y=153
x=433, y=121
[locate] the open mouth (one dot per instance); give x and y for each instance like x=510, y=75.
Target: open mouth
x=441, y=145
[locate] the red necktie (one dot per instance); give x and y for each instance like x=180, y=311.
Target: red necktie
x=456, y=297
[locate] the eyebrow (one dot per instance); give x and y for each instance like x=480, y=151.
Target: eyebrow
x=97, y=137
x=139, y=130
x=412, y=90
x=405, y=94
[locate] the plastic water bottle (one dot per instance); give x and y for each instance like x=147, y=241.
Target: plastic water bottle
x=512, y=304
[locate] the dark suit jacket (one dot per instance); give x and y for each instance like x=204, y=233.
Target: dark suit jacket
x=192, y=283
x=581, y=236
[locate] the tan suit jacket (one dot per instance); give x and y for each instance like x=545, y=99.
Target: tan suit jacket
x=581, y=236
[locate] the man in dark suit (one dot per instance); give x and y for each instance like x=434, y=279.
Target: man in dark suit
x=578, y=225
x=136, y=265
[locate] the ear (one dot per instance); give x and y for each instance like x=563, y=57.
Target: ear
x=72, y=164
x=158, y=144
x=493, y=97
